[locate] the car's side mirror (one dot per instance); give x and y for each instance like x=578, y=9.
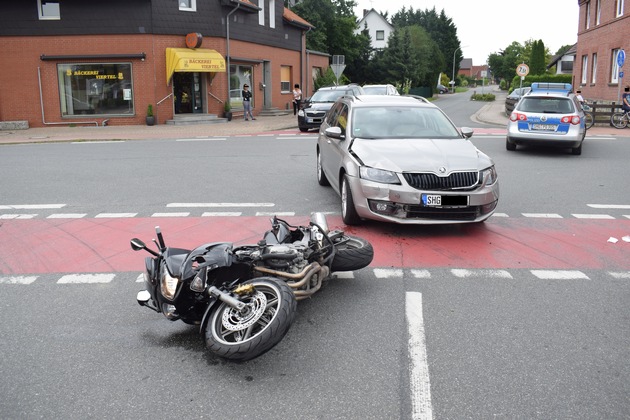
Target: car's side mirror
x=467, y=132
x=335, y=133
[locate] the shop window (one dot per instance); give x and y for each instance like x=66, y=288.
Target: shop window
x=285, y=79
x=240, y=75
x=187, y=5
x=95, y=89
x=48, y=10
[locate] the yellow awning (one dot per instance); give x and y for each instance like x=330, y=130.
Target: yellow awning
x=193, y=60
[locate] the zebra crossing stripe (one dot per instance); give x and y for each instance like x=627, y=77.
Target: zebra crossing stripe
x=495, y=274
x=18, y=280
x=560, y=275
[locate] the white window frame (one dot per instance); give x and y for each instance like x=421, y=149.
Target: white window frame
x=261, y=13
x=594, y=70
x=48, y=14
x=614, y=75
x=584, y=69
x=619, y=11
x=587, y=24
x=185, y=7
x=598, y=12
x=272, y=13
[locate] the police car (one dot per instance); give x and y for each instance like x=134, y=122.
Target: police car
x=550, y=115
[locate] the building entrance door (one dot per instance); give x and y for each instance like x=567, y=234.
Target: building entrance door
x=187, y=90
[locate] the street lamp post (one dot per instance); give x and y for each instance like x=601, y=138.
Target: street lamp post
x=453, y=79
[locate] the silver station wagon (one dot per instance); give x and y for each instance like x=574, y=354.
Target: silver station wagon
x=399, y=159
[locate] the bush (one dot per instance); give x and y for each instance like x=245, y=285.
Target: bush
x=486, y=97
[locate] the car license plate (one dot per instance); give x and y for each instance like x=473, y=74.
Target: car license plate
x=430, y=200
x=544, y=127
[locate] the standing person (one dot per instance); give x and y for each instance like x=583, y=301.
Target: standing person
x=625, y=99
x=247, y=102
x=297, y=97
x=579, y=97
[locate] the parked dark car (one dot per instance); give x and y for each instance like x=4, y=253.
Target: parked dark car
x=513, y=98
x=314, y=109
x=442, y=89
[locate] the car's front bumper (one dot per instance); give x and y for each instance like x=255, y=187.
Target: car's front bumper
x=403, y=204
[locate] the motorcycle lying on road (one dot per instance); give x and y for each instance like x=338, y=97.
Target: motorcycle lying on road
x=244, y=298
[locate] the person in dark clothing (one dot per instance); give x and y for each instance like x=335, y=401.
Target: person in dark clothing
x=247, y=103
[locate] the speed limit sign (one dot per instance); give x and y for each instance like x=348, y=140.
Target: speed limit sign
x=522, y=70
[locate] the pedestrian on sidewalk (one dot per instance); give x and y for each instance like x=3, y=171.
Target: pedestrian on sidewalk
x=297, y=98
x=247, y=102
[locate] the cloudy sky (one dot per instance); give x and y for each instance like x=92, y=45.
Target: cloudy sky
x=488, y=26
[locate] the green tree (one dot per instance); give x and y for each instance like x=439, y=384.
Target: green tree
x=503, y=64
x=537, y=60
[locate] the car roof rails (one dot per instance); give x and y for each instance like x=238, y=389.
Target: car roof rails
x=549, y=87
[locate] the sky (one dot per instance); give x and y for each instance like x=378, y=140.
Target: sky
x=489, y=26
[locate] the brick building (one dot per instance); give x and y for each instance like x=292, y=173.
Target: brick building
x=603, y=31
x=78, y=62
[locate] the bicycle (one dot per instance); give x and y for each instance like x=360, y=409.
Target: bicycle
x=589, y=118
x=620, y=119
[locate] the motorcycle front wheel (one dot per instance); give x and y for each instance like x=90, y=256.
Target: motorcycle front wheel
x=246, y=334
x=352, y=253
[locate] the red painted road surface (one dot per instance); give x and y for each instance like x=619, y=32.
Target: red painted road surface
x=102, y=245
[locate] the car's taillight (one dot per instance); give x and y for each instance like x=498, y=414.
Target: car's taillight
x=516, y=116
x=571, y=119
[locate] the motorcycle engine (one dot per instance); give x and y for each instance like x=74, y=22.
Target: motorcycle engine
x=285, y=257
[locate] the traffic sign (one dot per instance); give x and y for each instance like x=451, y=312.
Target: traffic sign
x=522, y=70
x=621, y=57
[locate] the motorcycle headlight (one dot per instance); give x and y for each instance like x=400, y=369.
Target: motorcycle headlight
x=378, y=175
x=489, y=176
x=168, y=285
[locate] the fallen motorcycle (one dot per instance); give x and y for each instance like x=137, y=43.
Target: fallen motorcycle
x=244, y=298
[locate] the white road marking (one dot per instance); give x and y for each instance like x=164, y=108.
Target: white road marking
x=17, y=216
x=115, y=215
x=419, y=383
x=499, y=215
x=492, y=274
x=86, y=278
x=182, y=214
x=221, y=213
x=543, y=215
x=220, y=205
x=140, y=278
x=277, y=213
x=620, y=275
x=67, y=216
x=204, y=139
x=344, y=274
x=383, y=273
x=421, y=274
x=609, y=206
x=18, y=279
x=593, y=216
x=560, y=275
x=31, y=206
x=98, y=141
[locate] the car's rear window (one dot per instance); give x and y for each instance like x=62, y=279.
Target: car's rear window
x=546, y=105
x=402, y=122
x=329, y=95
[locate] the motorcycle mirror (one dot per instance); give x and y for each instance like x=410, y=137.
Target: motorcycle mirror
x=137, y=244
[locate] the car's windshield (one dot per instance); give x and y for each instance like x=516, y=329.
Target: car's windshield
x=402, y=122
x=375, y=90
x=329, y=95
x=546, y=105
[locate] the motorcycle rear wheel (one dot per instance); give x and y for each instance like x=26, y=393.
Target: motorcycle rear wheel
x=239, y=336
x=353, y=254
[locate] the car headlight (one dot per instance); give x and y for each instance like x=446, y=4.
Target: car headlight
x=301, y=112
x=378, y=175
x=168, y=285
x=489, y=176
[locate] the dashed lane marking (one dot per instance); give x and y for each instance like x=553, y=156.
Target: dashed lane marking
x=419, y=382
x=86, y=278
x=560, y=275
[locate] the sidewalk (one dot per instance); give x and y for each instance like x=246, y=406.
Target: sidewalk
x=64, y=133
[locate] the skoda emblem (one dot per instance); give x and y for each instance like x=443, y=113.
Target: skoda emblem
x=442, y=170
x=543, y=118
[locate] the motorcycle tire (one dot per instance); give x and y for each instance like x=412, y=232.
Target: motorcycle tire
x=353, y=254
x=233, y=335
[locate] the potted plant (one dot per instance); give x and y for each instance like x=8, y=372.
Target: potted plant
x=150, y=116
x=227, y=111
